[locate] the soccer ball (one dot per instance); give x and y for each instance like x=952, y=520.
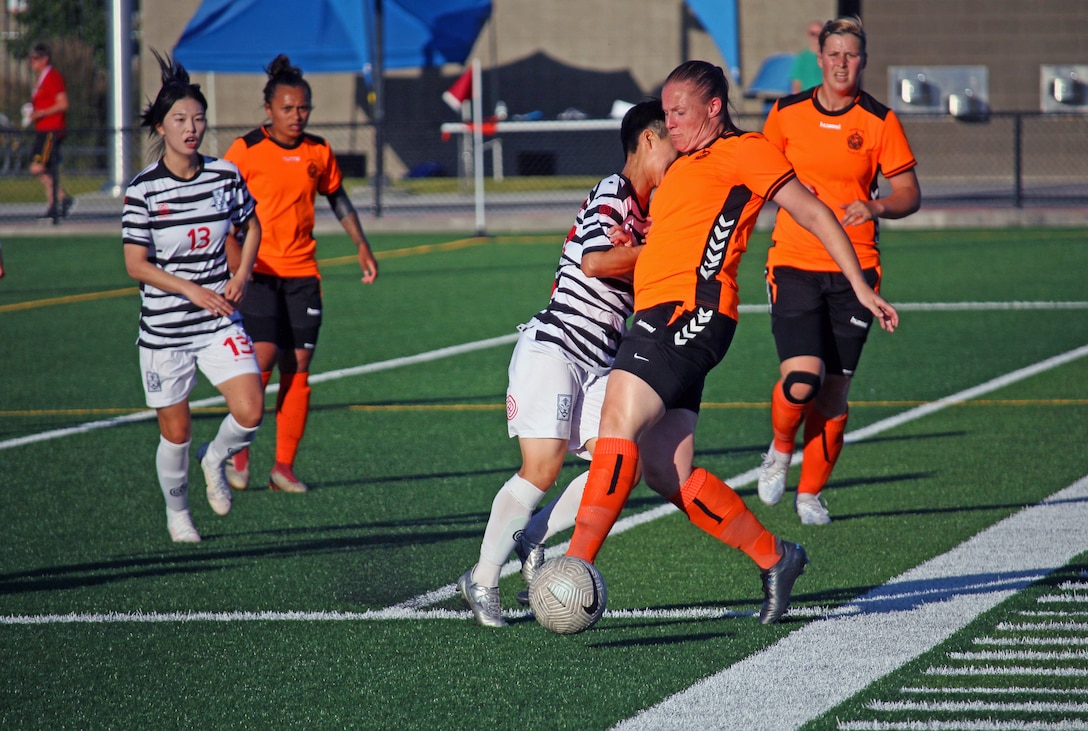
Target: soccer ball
x=568, y=595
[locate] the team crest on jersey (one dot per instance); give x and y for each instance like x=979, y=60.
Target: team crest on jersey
x=312, y=169
x=219, y=200
x=163, y=209
x=855, y=141
x=154, y=383
x=563, y=404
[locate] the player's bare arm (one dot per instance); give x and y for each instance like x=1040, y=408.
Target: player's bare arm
x=236, y=287
x=140, y=269
x=614, y=262
x=905, y=199
x=811, y=213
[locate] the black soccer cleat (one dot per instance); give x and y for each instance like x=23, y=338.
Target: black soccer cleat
x=778, y=581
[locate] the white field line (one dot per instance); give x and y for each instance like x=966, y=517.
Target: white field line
x=432, y=355
x=946, y=706
x=835, y=658
x=963, y=725
x=391, y=613
x=1017, y=641
x=973, y=670
x=272, y=388
x=1016, y=690
x=1020, y=655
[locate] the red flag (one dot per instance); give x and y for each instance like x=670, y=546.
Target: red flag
x=460, y=92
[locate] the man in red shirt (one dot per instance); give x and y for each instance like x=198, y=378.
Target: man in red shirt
x=49, y=104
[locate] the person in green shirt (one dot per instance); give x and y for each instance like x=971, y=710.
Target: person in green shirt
x=805, y=72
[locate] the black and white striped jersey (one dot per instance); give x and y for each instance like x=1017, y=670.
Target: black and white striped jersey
x=183, y=224
x=587, y=316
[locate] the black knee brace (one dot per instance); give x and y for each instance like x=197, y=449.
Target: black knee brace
x=802, y=377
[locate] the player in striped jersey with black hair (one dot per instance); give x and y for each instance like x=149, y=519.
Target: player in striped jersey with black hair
x=561, y=361
x=178, y=212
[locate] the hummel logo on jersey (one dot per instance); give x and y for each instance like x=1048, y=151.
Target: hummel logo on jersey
x=715, y=248
x=828, y=125
x=694, y=326
x=646, y=326
x=292, y=158
x=858, y=323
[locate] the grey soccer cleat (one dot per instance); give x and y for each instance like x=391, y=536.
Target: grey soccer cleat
x=778, y=581
x=482, y=600
x=532, y=558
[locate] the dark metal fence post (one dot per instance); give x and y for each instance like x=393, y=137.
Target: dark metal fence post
x=1018, y=160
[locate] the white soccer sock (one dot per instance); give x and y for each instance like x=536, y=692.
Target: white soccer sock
x=231, y=439
x=172, y=466
x=510, y=513
x=559, y=514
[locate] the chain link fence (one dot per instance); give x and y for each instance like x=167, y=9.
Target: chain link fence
x=1007, y=159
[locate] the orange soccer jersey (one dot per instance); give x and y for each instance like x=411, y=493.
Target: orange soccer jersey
x=704, y=211
x=839, y=154
x=284, y=181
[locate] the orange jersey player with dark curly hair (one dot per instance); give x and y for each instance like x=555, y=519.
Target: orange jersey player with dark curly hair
x=285, y=168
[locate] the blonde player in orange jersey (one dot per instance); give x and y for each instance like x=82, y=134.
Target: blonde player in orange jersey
x=839, y=139
x=686, y=308
x=285, y=168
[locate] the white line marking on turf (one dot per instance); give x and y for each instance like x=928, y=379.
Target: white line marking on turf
x=971, y=670
x=937, y=707
x=272, y=388
x=1014, y=641
x=480, y=345
x=835, y=658
x=391, y=613
x=1017, y=690
x=963, y=725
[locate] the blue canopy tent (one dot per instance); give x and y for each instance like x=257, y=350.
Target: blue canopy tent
x=242, y=36
x=719, y=18
x=359, y=36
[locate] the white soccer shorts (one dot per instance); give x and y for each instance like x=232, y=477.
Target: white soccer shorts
x=169, y=375
x=549, y=397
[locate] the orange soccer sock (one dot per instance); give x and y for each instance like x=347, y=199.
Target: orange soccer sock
x=823, y=445
x=786, y=419
x=292, y=408
x=713, y=507
x=612, y=475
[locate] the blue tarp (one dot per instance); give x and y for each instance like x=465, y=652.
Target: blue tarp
x=719, y=17
x=243, y=36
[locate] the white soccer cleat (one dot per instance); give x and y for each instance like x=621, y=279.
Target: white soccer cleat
x=811, y=510
x=282, y=482
x=236, y=478
x=180, y=525
x=772, y=475
x=219, y=496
